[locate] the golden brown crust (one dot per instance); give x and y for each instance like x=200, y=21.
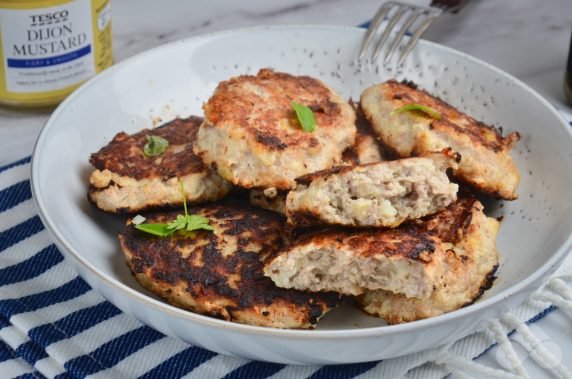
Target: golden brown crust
x=252, y=137
x=230, y=105
x=403, y=260
x=220, y=273
x=451, y=224
x=452, y=120
x=471, y=263
x=125, y=180
x=486, y=165
x=408, y=242
x=124, y=154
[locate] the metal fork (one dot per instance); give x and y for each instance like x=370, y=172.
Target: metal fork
x=422, y=17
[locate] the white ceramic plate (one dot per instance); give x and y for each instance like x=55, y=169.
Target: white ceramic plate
x=175, y=79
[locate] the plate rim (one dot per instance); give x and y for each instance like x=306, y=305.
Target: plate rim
x=185, y=315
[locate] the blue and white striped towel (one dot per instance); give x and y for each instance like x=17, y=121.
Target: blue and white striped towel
x=52, y=324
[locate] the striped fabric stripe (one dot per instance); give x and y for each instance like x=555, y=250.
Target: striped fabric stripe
x=71, y=289
x=31, y=352
x=179, y=364
x=14, y=194
x=73, y=324
x=6, y=352
x=20, y=162
x=17, y=214
x=112, y=352
x=28, y=269
x=53, y=325
x=26, y=376
x=342, y=372
x=4, y=323
x=216, y=366
x=147, y=358
x=254, y=370
x=19, y=232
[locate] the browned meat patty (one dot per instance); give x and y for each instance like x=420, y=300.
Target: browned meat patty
x=125, y=180
x=485, y=165
x=219, y=273
x=471, y=262
x=253, y=138
x=405, y=260
x=383, y=194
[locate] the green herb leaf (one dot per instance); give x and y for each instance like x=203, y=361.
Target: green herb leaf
x=305, y=117
x=185, y=222
x=195, y=222
x=160, y=230
x=155, y=146
x=418, y=107
x=179, y=223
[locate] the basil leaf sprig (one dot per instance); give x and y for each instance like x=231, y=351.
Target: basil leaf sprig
x=305, y=117
x=159, y=230
x=155, y=145
x=184, y=222
x=418, y=107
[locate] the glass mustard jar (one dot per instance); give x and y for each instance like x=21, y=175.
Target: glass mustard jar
x=49, y=47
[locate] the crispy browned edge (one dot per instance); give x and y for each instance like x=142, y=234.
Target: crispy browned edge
x=479, y=132
x=407, y=241
x=124, y=154
x=226, y=108
x=255, y=296
x=451, y=225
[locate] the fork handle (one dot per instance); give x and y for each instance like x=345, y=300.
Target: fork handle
x=452, y=6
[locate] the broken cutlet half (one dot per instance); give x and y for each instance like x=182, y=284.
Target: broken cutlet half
x=471, y=262
x=383, y=194
x=404, y=260
x=486, y=164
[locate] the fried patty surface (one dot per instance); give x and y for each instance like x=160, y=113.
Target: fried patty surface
x=219, y=273
x=404, y=260
x=125, y=180
x=471, y=262
x=383, y=194
x=486, y=164
x=252, y=136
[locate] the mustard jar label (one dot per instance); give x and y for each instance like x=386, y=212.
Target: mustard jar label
x=49, y=49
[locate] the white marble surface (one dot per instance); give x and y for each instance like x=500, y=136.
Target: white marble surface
x=527, y=38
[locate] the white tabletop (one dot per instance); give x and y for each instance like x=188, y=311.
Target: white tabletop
x=527, y=38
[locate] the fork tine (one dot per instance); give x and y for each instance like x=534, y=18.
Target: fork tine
x=406, y=25
x=415, y=37
x=373, y=27
x=390, y=25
